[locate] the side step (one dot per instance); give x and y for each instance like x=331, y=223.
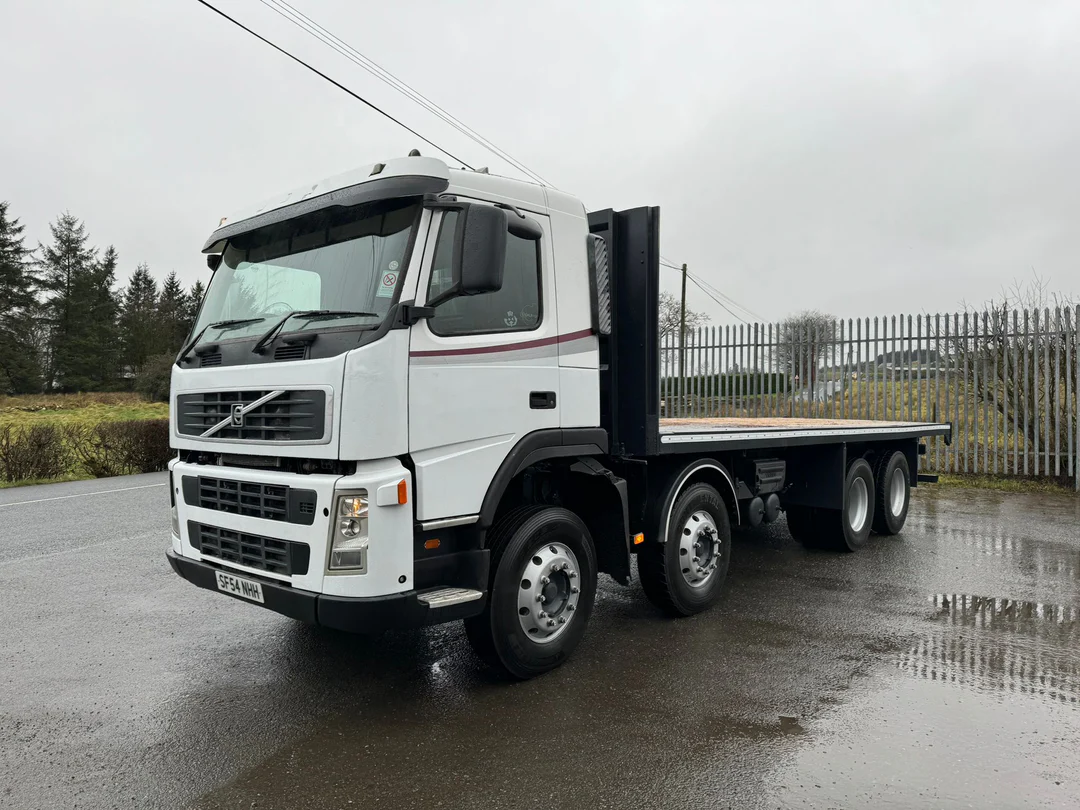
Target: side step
x=928, y=478
x=445, y=597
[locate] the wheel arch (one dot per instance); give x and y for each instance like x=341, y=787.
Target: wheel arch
x=572, y=458
x=531, y=449
x=705, y=470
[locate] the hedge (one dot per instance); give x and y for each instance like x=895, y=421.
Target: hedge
x=102, y=450
x=738, y=383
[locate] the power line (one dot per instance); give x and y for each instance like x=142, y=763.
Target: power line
x=730, y=300
x=713, y=293
x=717, y=300
x=340, y=86
x=314, y=29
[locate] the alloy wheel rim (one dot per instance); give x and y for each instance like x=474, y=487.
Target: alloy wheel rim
x=858, y=504
x=699, y=549
x=548, y=593
x=897, y=492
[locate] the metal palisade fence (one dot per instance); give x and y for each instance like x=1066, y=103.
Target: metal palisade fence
x=1008, y=380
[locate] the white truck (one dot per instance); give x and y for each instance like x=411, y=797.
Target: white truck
x=416, y=394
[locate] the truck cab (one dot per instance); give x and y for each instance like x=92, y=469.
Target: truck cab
x=369, y=352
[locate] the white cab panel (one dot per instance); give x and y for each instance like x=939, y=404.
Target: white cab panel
x=374, y=416
x=572, y=286
x=580, y=389
x=470, y=398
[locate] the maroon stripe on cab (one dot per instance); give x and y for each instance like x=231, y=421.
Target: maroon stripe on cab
x=506, y=347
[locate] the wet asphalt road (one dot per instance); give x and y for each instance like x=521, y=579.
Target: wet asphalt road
x=937, y=669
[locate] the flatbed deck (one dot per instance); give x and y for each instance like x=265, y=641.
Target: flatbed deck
x=677, y=434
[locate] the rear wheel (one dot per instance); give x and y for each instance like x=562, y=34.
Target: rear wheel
x=542, y=586
x=686, y=574
x=893, y=489
x=848, y=528
x=800, y=523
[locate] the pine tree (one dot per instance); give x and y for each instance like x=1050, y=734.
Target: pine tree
x=101, y=330
x=194, y=301
x=20, y=371
x=139, y=331
x=172, y=321
x=65, y=267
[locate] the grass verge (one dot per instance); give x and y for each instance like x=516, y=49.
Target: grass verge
x=69, y=409
x=63, y=479
x=1003, y=484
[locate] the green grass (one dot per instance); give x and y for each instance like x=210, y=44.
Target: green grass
x=73, y=476
x=1005, y=484
x=65, y=409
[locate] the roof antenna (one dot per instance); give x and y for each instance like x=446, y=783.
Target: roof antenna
x=483, y=170
x=414, y=153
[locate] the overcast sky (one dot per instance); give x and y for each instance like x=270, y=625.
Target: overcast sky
x=855, y=157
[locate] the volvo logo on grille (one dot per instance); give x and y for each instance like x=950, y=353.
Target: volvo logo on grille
x=237, y=412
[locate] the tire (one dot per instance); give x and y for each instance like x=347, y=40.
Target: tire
x=800, y=523
x=848, y=529
x=667, y=570
x=523, y=645
x=892, y=484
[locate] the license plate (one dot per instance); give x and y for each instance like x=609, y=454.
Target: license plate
x=238, y=586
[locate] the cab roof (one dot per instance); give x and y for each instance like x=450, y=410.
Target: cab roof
x=398, y=177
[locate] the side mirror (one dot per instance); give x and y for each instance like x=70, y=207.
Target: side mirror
x=599, y=283
x=479, y=252
x=213, y=261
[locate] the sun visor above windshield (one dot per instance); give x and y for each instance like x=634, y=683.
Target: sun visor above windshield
x=380, y=187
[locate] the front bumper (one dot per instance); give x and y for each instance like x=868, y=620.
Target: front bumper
x=369, y=614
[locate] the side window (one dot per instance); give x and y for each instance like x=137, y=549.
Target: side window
x=514, y=308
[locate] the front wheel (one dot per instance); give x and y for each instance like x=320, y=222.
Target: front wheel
x=541, y=592
x=685, y=574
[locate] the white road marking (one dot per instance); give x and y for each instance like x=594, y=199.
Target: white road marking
x=83, y=494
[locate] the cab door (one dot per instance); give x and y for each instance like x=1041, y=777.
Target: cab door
x=483, y=371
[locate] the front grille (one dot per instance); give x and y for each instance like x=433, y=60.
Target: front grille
x=254, y=551
x=251, y=499
x=289, y=416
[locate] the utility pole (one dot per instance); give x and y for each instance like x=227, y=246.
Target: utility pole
x=682, y=327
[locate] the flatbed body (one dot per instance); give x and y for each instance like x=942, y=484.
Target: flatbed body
x=697, y=434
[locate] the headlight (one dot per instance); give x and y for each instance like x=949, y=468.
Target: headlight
x=348, y=549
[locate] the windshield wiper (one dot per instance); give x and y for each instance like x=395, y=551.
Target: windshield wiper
x=311, y=315
x=191, y=344
x=341, y=313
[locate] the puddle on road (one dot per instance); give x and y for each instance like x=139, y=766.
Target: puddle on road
x=989, y=612
x=903, y=742
x=1000, y=645
x=1032, y=552
x=979, y=711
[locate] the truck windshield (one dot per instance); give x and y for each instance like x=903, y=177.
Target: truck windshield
x=340, y=259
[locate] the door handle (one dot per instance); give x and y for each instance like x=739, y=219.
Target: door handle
x=542, y=400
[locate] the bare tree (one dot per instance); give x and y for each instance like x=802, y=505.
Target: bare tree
x=1016, y=347
x=805, y=340
x=669, y=318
